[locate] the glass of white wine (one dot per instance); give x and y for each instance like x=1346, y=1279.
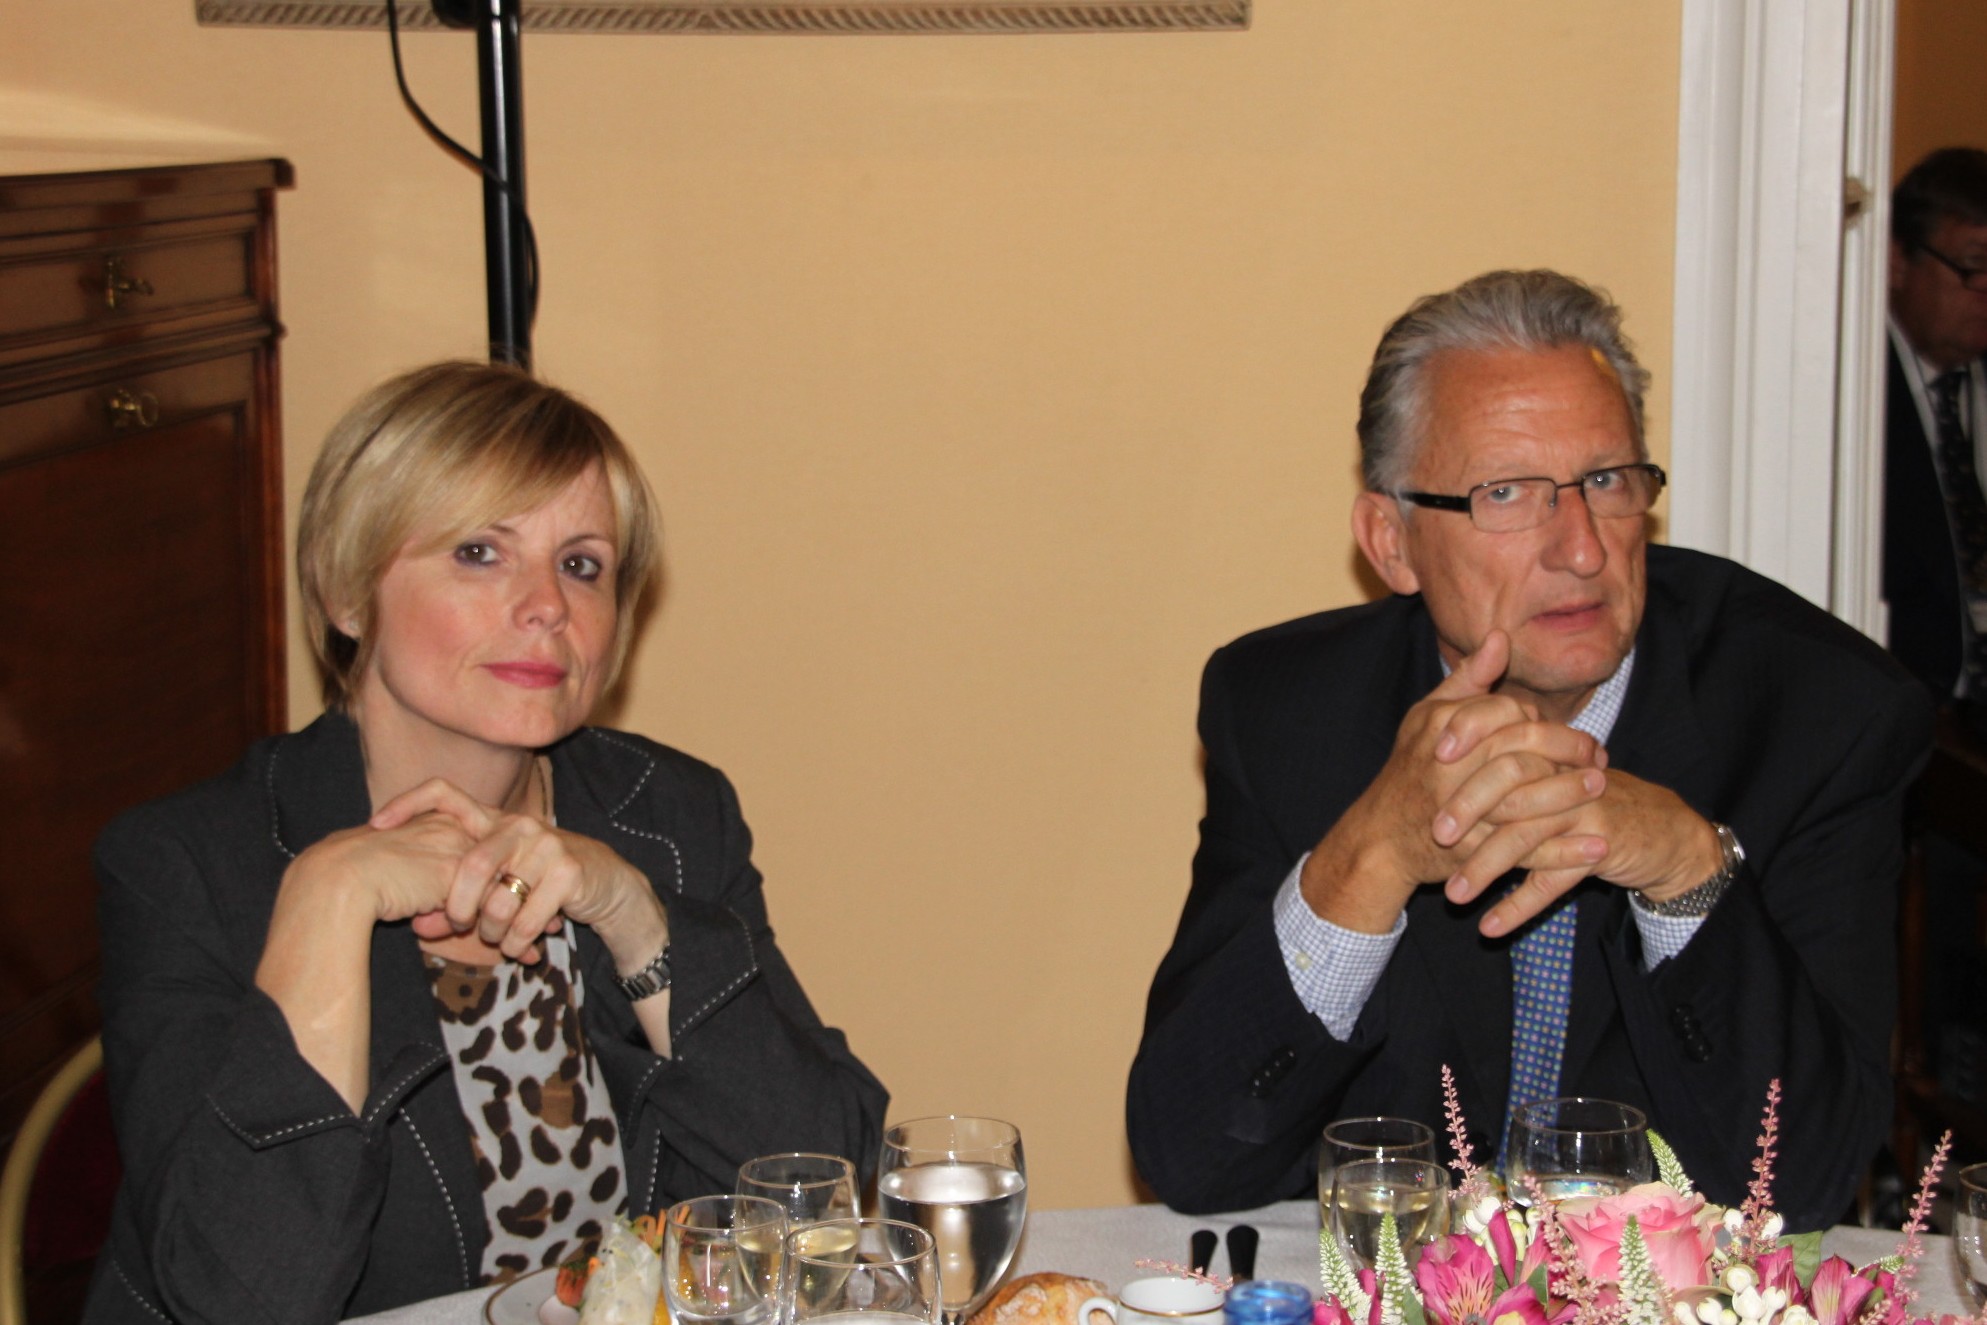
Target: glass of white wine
x=860, y=1272
x=962, y=1180
x=1368, y=1138
x=1970, y=1228
x=810, y=1188
x=1576, y=1146
x=721, y=1260
x=1365, y=1191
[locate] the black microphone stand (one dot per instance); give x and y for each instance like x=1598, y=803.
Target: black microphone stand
x=500, y=89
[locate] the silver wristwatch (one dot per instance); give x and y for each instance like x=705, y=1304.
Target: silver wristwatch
x=649, y=981
x=1699, y=900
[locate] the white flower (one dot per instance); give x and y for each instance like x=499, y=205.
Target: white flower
x=1773, y=1225
x=1712, y=1312
x=1739, y=1279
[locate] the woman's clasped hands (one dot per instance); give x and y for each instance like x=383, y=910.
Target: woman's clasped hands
x=454, y=866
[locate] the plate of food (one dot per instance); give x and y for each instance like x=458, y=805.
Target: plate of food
x=531, y=1299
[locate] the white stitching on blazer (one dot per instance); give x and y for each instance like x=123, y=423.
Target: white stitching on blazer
x=275, y=814
x=455, y=1224
x=259, y=1139
x=428, y=1064
x=132, y=1289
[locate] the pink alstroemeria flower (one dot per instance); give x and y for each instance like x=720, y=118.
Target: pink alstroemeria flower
x=1776, y=1270
x=1678, y=1231
x=1837, y=1295
x=1504, y=1244
x=1327, y=1311
x=1458, y=1284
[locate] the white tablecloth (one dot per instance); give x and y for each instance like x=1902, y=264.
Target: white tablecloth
x=1106, y=1244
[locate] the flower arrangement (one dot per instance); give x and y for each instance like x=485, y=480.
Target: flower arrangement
x=1657, y=1254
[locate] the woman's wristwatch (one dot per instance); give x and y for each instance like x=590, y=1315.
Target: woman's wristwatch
x=649, y=981
x=1699, y=900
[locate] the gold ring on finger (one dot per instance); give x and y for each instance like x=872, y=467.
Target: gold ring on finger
x=515, y=886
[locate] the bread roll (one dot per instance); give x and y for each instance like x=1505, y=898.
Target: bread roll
x=1039, y=1299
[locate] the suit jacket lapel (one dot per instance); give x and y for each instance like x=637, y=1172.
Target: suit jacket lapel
x=1658, y=738
x=1473, y=973
x=1474, y=977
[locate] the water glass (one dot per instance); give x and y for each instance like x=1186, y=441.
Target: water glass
x=810, y=1188
x=721, y=1260
x=860, y=1272
x=1970, y=1228
x=1365, y=1191
x=1576, y=1147
x=963, y=1180
x=1369, y=1138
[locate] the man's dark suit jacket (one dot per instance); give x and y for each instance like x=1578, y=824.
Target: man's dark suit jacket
x=252, y=1193
x=1920, y=572
x=1761, y=711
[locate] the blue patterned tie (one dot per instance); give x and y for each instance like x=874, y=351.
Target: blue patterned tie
x=1541, y=993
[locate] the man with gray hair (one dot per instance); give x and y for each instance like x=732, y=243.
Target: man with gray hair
x=1568, y=814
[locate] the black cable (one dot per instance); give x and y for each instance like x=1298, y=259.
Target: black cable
x=475, y=162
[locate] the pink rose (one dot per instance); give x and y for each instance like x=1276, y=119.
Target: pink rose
x=1676, y=1229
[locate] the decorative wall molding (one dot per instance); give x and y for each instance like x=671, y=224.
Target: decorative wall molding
x=828, y=17
x=1777, y=357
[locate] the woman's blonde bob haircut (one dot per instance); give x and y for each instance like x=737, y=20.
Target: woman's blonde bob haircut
x=437, y=454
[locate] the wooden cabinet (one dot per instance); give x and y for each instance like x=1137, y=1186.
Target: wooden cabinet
x=141, y=519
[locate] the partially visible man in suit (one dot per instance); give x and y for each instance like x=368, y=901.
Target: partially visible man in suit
x=1571, y=815
x=1935, y=514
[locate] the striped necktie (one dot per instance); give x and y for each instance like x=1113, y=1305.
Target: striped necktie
x=1966, y=512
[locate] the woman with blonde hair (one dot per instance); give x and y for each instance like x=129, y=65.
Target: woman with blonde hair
x=417, y=998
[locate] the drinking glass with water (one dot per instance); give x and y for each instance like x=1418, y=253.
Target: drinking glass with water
x=963, y=1181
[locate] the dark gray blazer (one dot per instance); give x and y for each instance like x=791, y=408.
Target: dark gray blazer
x=252, y=1193
x=1757, y=708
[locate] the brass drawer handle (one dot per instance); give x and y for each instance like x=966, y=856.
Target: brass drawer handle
x=116, y=284
x=133, y=409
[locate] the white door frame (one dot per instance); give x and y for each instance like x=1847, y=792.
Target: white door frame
x=1781, y=102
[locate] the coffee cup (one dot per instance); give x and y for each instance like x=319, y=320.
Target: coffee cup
x=1163, y=1300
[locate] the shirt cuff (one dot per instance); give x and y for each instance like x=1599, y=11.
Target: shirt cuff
x=1663, y=937
x=1332, y=969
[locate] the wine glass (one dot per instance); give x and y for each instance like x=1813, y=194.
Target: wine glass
x=963, y=1181
x=860, y=1272
x=1970, y=1228
x=1369, y=1138
x=1365, y=1191
x=810, y=1188
x=1576, y=1147
x=721, y=1260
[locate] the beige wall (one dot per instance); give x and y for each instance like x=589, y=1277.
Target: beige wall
x=1941, y=98
x=988, y=383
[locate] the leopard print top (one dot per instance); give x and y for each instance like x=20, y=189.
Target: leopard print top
x=540, y=1122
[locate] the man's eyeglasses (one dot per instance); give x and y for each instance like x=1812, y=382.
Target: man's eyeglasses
x=1973, y=278
x=1508, y=505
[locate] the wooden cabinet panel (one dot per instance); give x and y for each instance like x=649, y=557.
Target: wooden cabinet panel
x=140, y=529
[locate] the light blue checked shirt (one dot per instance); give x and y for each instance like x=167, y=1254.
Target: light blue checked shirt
x=1334, y=970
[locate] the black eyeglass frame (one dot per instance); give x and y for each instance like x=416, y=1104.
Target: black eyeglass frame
x=1973, y=278
x=1442, y=501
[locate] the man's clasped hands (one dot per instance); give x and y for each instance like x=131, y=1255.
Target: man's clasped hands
x=1480, y=783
